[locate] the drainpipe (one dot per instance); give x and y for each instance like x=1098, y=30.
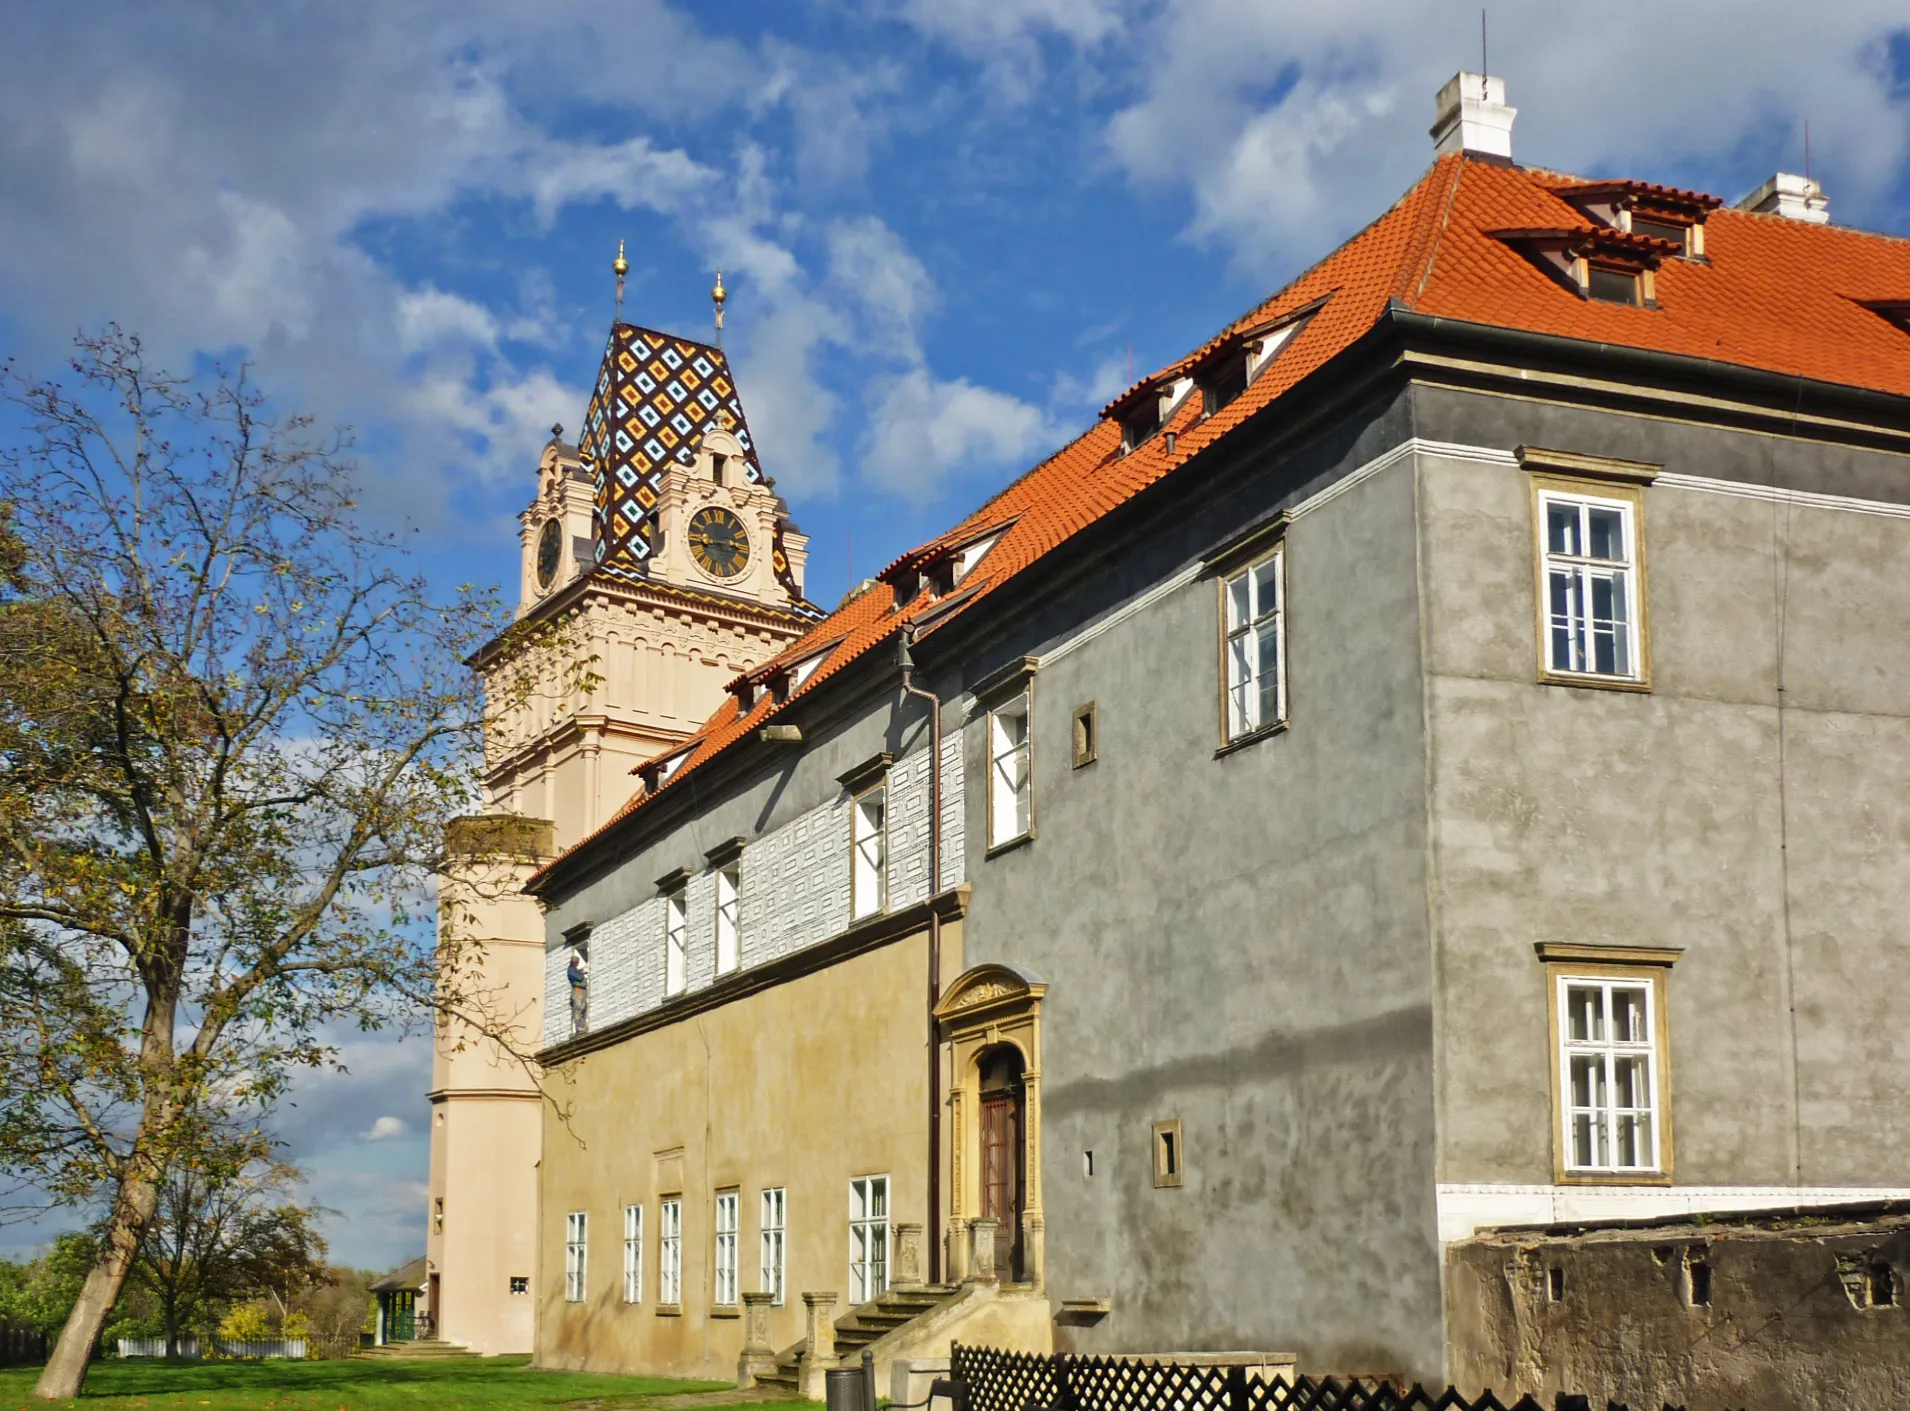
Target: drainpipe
x=909, y=688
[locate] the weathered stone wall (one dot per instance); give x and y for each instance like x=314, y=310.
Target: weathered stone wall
x=1803, y=1310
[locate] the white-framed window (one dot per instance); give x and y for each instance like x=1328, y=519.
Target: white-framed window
x=774, y=1223
x=729, y=946
x=633, y=1254
x=727, y=1203
x=1255, y=626
x=1609, y=1073
x=1010, y=772
x=576, y=1255
x=670, y=1252
x=869, y=863
x=868, y=1237
x=1590, y=585
x=676, y=919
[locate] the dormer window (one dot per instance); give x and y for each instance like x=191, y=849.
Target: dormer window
x=1227, y=381
x=1639, y=208
x=1140, y=424
x=1145, y=409
x=1595, y=262
x=800, y=673
x=971, y=554
x=1225, y=372
x=1611, y=286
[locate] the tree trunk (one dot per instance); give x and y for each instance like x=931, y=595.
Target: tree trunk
x=65, y=1370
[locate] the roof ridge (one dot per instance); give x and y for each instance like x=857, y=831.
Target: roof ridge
x=1434, y=236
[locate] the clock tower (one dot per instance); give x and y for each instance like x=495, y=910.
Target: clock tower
x=656, y=550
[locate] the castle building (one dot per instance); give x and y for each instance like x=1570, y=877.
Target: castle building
x=657, y=553
x=1434, y=758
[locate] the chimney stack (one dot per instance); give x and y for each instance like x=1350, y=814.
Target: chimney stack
x=1473, y=117
x=1791, y=196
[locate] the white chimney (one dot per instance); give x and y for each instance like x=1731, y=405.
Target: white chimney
x=1473, y=117
x=1791, y=196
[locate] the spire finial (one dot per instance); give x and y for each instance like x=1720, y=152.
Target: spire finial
x=620, y=268
x=719, y=296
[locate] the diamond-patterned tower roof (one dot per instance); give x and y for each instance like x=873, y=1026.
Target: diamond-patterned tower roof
x=656, y=398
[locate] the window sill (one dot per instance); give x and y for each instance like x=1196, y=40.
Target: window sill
x=1613, y=1178
x=1252, y=737
x=1018, y=841
x=669, y=1310
x=726, y=1310
x=1596, y=683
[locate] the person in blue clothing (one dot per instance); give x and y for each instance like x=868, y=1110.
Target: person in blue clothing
x=578, y=972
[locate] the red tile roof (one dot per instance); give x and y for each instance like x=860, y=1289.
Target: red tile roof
x=1774, y=294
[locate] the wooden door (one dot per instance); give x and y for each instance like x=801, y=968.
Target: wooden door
x=1003, y=1156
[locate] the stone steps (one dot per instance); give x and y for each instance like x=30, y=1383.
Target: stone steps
x=421, y=1349
x=856, y=1330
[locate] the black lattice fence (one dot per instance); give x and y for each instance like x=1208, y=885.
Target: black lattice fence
x=993, y=1380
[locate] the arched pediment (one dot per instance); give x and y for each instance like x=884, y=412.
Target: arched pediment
x=990, y=987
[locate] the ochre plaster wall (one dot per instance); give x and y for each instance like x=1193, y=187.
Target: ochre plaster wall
x=803, y=1085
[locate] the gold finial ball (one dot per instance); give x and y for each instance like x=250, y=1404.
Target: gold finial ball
x=719, y=294
x=622, y=266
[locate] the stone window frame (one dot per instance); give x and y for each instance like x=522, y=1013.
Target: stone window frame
x=868, y=1223
x=726, y=865
x=773, y=1240
x=1225, y=565
x=1008, y=692
x=726, y=1253
x=576, y=1255
x=670, y=1254
x=1571, y=476
x=1169, y=1155
x=1649, y=966
x=1084, y=731
x=633, y=1253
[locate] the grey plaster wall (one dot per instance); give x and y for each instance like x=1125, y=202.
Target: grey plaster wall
x=1239, y=942
x=1765, y=831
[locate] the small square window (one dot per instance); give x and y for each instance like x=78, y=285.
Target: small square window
x=520, y=1283
x=1170, y=1158
x=1087, y=734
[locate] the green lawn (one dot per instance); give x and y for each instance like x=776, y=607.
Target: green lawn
x=492, y=1384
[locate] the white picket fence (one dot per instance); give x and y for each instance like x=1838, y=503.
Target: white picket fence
x=289, y=1348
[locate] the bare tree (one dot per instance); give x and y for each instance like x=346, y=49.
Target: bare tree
x=231, y=733
x=221, y=1234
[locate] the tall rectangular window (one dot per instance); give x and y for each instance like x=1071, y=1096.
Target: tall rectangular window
x=576, y=1255
x=1255, y=649
x=868, y=1237
x=1608, y=1073
x=670, y=1252
x=675, y=923
x=869, y=864
x=633, y=1254
x=729, y=886
x=1590, y=586
x=774, y=1216
x=726, y=1211
x=1010, y=773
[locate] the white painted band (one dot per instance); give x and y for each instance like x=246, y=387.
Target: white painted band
x=1464, y=1209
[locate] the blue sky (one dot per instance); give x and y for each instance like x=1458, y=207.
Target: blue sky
x=946, y=226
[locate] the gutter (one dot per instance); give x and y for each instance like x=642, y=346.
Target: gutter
x=906, y=659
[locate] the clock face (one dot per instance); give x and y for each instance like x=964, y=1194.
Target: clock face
x=719, y=542
x=550, y=552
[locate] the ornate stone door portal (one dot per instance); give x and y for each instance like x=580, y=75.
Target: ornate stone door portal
x=990, y=1021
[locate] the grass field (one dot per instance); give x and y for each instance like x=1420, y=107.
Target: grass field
x=490, y=1384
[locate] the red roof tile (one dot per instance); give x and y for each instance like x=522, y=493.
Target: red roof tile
x=1774, y=294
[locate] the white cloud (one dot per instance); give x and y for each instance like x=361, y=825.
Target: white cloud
x=1290, y=124
x=384, y=1129
x=924, y=430
x=634, y=173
